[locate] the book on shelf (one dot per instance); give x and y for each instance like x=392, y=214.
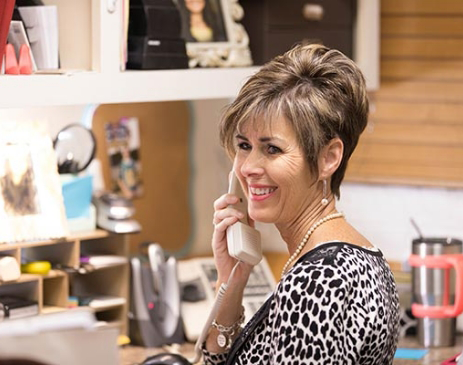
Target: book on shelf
x=101, y=301
x=14, y=307
x=100, y=261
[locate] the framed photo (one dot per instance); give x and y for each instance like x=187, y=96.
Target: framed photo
x=212, y=32
x=31, y=200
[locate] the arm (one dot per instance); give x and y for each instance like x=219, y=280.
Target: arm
x=231, y=307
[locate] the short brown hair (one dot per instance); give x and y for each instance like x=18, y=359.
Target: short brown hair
x=319, y=91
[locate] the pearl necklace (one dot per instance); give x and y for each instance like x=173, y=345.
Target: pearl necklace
x=307, y=236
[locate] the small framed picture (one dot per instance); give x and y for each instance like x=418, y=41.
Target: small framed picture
x=214, y=36
x=31, y=201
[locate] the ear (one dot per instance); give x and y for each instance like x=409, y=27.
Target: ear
x=330, y=158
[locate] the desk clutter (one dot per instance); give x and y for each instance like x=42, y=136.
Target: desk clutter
x=71, y=338
x=42, y=307
x=9, y=269
x=12, y=307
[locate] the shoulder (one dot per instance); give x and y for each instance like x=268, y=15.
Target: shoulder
x=332, y=268
x=340, y=255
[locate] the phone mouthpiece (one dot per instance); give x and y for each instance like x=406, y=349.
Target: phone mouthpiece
x=244, y=243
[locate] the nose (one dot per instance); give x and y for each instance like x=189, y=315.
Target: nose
x=252, y=165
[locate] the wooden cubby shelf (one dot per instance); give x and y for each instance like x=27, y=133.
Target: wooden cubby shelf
x=53, y=290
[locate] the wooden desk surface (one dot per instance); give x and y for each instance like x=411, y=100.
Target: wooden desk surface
x=131, y=355
x=435, y=356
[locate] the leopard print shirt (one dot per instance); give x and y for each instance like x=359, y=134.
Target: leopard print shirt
x=337, y=305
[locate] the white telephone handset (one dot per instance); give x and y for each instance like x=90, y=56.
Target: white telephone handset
x=243, y=240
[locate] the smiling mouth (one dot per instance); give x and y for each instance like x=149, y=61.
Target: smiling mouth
x=262, y=191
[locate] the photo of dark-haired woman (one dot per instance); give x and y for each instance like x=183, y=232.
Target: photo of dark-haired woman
x=202, y=21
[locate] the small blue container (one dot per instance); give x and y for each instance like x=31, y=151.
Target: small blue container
x=77, y=195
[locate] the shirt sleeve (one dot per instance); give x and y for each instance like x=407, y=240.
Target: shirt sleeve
x=210, y=358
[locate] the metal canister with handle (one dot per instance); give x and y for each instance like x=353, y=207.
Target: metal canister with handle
x=437, y=279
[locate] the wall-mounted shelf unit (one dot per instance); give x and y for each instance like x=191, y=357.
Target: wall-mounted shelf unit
x=90, y=41
x=121, y=87
x=52, y=291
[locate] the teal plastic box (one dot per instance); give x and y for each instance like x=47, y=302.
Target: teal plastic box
x=77, y=195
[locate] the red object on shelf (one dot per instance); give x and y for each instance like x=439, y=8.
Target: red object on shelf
x=11, y=63
x=6, y=13
x=25, y=61
x=452, y=361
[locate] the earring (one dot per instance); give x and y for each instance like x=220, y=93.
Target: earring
x=324, y=199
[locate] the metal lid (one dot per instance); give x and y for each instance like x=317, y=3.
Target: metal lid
x=433, y=240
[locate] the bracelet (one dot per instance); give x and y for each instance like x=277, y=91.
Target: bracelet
x=226, y=332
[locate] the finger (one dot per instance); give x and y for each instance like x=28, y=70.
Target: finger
x=225, y=223
x=222, y=214
x=225, y=200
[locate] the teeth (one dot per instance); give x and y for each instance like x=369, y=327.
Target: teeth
x=262, y=191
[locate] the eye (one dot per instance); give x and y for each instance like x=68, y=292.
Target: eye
x=273, y=150
x=244, y=146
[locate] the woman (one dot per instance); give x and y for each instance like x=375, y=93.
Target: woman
x=201, y=21
x=290, y=133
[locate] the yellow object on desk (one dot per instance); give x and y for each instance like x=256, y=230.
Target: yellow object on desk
x=36, y=267
x=123, y=340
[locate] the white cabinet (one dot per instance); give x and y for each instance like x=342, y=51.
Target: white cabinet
x=98, y=53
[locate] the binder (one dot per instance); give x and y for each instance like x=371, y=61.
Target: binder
x=41, y=24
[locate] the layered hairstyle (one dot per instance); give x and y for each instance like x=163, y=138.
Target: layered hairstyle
x=319, y=91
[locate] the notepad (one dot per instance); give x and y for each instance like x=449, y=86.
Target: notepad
x=412, y=354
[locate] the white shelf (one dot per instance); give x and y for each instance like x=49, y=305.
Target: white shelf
x=122, y=87
x=98, y=48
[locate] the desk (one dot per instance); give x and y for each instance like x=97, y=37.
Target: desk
x=131, y=355
x=434, y=357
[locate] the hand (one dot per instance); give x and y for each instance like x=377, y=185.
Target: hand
x=225, y=216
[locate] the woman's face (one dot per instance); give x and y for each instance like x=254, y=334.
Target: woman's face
x=195, y=6
x=271, y=167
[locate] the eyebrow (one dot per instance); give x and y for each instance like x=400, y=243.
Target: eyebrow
x=262, y=139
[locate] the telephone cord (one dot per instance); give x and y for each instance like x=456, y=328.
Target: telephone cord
x=215, y=308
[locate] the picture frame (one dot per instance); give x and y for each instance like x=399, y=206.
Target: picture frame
x=31, y=199
x=214, y=36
